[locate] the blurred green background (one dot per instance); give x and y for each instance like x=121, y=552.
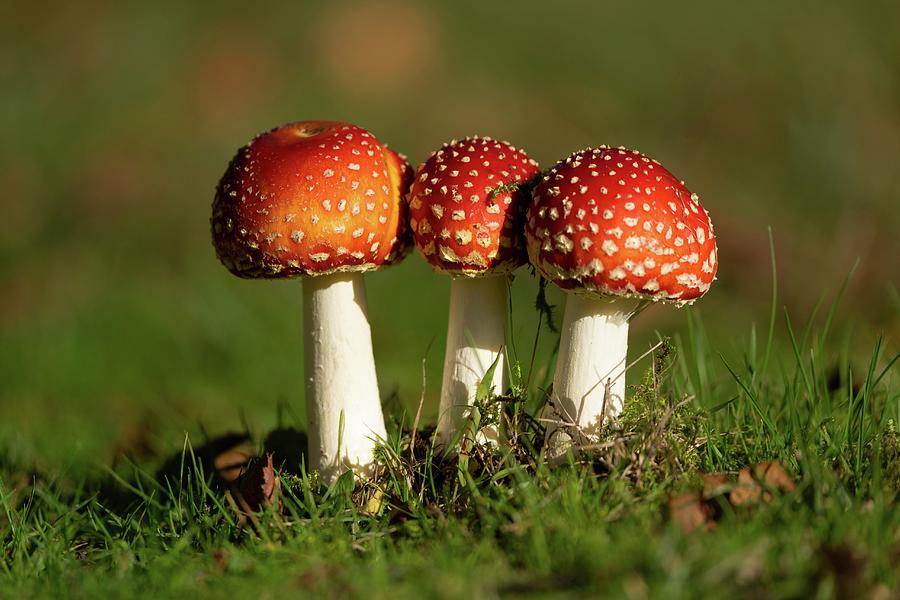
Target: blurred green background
x=117, y=120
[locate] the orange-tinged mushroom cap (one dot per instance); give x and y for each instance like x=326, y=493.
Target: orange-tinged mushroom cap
x=311, y=198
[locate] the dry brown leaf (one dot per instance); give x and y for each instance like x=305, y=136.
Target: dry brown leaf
x=754, y=483
x=714, y=484
x=777, y=477
x=257, y=487
x=692, y=512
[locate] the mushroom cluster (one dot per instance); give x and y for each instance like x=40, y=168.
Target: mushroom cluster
x=327, y=201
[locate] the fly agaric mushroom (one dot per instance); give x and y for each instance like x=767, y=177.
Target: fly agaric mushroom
x=467, y=215
x=617, y=230
x=324, y=201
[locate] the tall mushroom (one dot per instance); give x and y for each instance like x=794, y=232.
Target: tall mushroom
x=616, y=230
x=467, y=215
x=323, y=201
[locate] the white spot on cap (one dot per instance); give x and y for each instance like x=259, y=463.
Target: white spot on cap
x=701, y=235
x=462, y=236
x=563, y=243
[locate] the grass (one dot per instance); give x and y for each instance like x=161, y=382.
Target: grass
x=507, y=522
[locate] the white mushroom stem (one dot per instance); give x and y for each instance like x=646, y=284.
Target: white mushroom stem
x=476, y=333
x=589, y=383
x=342, y=402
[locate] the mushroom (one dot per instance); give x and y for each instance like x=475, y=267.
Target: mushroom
x=616, y=230
x=467, y=214
x=323, y=201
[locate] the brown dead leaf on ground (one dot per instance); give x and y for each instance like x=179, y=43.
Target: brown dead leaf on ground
x=755, y=484
x=692, y=512
x=702, y=509
x=714, y=484
x=257, y=487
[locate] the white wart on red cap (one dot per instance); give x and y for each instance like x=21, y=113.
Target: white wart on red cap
x=311, y=198
x=613, y=221
x=467, y=206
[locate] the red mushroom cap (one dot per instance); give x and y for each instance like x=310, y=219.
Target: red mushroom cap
x=311, y=198
x=613, y=221
x=401, y=175
x=467, y=206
